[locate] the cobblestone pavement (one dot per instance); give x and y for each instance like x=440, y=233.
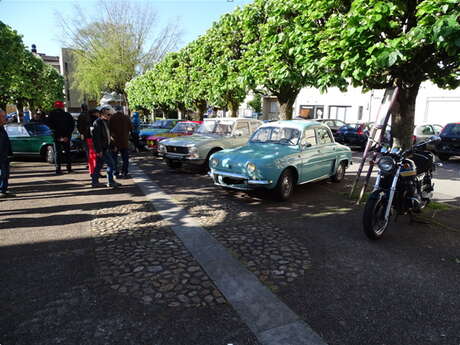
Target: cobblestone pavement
x=311, y=251
x=139, y=256
x=99, y=266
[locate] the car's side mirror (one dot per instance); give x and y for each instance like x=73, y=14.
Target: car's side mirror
x=238, y=133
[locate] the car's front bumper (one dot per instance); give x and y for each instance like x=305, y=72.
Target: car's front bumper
x=183, y=158
x=237, y=181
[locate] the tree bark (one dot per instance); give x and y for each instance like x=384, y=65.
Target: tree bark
x=201, y=107
x=286, y=99
x=403, y=116
x=233, y=106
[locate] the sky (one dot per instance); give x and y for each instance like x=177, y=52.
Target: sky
x=36, y=20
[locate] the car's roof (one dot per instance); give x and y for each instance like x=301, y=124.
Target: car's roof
x=299, y=124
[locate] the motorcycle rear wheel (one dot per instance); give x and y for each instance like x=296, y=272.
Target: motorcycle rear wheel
x=374, y=224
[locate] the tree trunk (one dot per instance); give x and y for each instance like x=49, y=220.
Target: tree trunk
x=286, y=99
x=201, y=107
x=233, y=106
x=20, y=109
x=403, y=116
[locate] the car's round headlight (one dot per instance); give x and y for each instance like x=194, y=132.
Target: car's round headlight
x=214, y=162
x=192, y=149
x=386, y=164
x=251, y=167
x=162, y=148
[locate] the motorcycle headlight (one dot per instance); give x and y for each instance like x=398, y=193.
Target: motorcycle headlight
x=386, y=164
x=251, y=167
x=214, y=162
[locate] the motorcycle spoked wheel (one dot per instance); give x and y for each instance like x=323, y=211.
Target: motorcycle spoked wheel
x=374, y=224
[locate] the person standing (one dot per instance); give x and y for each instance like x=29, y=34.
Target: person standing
x=62, y=124
x=102, y=145
x=84, y=125
x=136, y=124
x=5, y=152
x=120, y=127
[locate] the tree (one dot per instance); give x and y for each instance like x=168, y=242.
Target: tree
x=115, y=46
x=381, y=44
x=225, y=44
x=11, y=52
x=271, y=60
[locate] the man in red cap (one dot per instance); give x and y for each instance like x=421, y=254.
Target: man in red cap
x=62, y=124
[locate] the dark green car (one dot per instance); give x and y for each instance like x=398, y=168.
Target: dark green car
x=31, y=139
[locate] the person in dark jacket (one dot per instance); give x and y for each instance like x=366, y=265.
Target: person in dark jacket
x=103, y=145
x=62, y=124
x=5, y=151
x=120, y=127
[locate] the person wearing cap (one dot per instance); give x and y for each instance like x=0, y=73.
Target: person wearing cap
x=5, y=152
x=120, y=127
x=62, y=124
x=102, y=145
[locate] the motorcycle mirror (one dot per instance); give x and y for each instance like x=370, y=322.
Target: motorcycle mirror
x=435, y=138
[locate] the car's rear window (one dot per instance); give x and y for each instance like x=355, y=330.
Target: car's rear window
x=452, y=129
x=38, y=129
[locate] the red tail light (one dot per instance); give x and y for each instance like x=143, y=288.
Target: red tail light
x=360, y=131
x=414, y=138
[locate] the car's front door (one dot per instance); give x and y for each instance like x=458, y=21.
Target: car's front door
x=310, y=156
x=327, y=151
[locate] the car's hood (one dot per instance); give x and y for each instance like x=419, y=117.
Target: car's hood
x=162, y=136
x=153, y=131
x=259, y=154
x=196, y=139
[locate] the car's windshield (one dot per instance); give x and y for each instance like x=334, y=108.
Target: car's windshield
x=220, y=127
x=38, y=129
x=162, y=124
x=183, y=127
x=452, y=129
x=276, y=135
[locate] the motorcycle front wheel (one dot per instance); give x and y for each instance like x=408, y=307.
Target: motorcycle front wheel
x=374, y=224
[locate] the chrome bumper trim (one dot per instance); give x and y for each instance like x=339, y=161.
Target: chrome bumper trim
x=239, y=176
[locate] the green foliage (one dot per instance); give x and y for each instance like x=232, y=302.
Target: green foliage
x=11, y=50
x=24, y=77
x=256, y=103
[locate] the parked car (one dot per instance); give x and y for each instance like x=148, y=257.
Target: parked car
x=353, y=135
x=180, y=129
x=280, y=155
x=159, y=126
x=425, y=131
x=212, y=136
x=334, y=125
x=450, y=142
x=31, y=139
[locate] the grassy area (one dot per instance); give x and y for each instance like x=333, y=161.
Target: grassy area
x=439, y=206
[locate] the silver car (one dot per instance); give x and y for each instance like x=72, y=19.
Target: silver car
x=212, y=136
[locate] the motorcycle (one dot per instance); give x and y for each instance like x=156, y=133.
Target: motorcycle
x=403, y=186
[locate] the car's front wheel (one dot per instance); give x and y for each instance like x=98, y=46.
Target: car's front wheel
x=49, y=154
x=285, y=186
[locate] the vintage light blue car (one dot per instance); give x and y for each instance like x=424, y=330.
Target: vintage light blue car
x=279, y=156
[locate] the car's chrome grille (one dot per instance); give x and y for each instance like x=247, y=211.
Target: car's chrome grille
x=177, y=149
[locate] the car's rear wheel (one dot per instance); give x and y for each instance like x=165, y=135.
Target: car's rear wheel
x=49, y=154
x=339, y=173
x=285, y=186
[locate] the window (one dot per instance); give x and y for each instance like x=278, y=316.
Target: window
x=360, y=113
x=339, y=112
x=437, y=129
x=255, y=125
x=309, y=137
x=243, y=127
x=16, y=131
x=323, y=136
x=427, y=130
